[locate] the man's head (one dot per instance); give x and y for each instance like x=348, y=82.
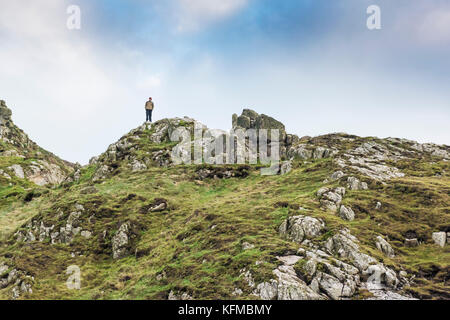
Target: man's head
x=150, y=98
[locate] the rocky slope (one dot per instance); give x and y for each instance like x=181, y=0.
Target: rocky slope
x=24, y=159
x=350, y=218
x=26, y=170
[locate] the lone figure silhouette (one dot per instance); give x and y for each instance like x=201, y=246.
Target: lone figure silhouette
x=149, y=106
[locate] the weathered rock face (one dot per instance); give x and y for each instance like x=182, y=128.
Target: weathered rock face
x=20, y=281
x=344, y=245
x=440, y=238
x=32, y=162
x=120, y=242
x=286, y=286
x=249, y=119
x=337, y=175
x=290, y=145
x=375, y=159
x=320, y=271
x=354, y=184
x=346, y=213
x=384, y=247
x=337, y=269
x=222, y=172
x=330, y=199
x=39, y=230
x=299, y=228
x=179, y=296
x=139, y=150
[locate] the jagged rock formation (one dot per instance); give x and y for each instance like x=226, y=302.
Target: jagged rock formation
x=20, y=282
x=318, y=272
x=146, y=146
x=290, y=144
x=24, y=159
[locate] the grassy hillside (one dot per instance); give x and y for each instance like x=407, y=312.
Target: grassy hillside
x=199, y=236
x=27, y=171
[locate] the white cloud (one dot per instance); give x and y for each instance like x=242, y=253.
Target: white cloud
x=193, y=14
x=65, y=90
x=435, y=27
x=424, y=24
x=149, y=82
x=28, y=18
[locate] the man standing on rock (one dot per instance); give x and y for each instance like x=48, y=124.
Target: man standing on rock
x=149, y=105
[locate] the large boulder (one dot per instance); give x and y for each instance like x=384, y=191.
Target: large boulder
x=120, y=242
x=346, y=213
x=299, y=228
x=250, y=119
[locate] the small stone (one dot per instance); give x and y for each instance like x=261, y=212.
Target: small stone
x=439, y=238
x=247, y=246
x=410, y=243
x=86, y=234
x=337, y=175
x=237, y=292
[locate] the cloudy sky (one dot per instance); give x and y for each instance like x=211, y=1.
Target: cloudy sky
x=312, y=64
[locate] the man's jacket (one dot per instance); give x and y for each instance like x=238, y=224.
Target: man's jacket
x=149, y=105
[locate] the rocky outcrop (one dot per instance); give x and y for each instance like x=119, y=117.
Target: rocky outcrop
x=142, y=148
x=384, y=247
x=376, y=159
x=286, y=286
x=336, y=269
x=222, y=172
x=330, y=199
x=31, y=162
x=305, y=151
x=120, y=242
x=250, y=119
x=354, y=184
x=344, y=245
x=299, y=228
x=38, y=230
x=176, y=296
x=290, y=145
x=20, y=282
x=337, y=175
x=346, y=213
